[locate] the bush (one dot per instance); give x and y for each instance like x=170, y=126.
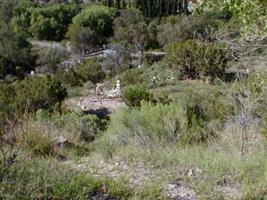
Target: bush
x=91, y=126
x=184, y=27
x=107, y=146
x=35, y=93
x=7, y=107
x=133, y=95
x=200, y=129
x=193, y=59
x=37, y=143
x=132, y=77
x=188, y=121
x=150, y=124
x=83, y=127
x=90, y=71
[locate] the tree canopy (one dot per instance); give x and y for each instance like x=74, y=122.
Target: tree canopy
x=92, y=26
x=15, y=53
x=47, y=22
x=252, y=13
x=151, y=8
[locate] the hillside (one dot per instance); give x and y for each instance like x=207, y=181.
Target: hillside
x=140, y=99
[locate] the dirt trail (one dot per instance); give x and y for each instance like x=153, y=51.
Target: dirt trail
x=89, y=103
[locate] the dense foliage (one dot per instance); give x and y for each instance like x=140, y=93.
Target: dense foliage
x=91, y=71
x=31, y=94
x=191, y=99
x=39, y=92
x=16, y=56
x=46, y=23
x=252, y=13
x=135, y=94
x=194, y=59
x=92, y=27
x=151, y=8
x=179, y=28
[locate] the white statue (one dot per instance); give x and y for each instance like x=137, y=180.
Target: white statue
x=116, y=91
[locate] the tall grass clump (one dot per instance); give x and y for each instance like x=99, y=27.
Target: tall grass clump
x=47, y=179
x=150, y=124
x=154, y=125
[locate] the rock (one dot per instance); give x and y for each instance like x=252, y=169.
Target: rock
x=229, y=191
x=178, y=192
x=59, y=141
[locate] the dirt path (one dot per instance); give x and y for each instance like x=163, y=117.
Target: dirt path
x=92, y=103
x=137, y=175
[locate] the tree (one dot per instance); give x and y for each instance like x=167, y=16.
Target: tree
x=131, y=30
x=7, y=10
x=151, y=8
x=22, y=16
x=51, y=22
x=48, y=22
x=117, y=61
x=92, y=27
x=16, y=57
x=252, y=13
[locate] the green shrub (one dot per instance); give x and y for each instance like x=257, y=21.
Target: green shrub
x=35, y=93
x=37, y=143
x=183, y=27
x=194, y=59
x=51, y=58
x=199, y=128
x=90, y=71
x=83, y=127
x=132, y=77
x=107, y=146
x=149, y=124
x=182, y=122
x=133, y=95
x=7, y=106
x=91, y=126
